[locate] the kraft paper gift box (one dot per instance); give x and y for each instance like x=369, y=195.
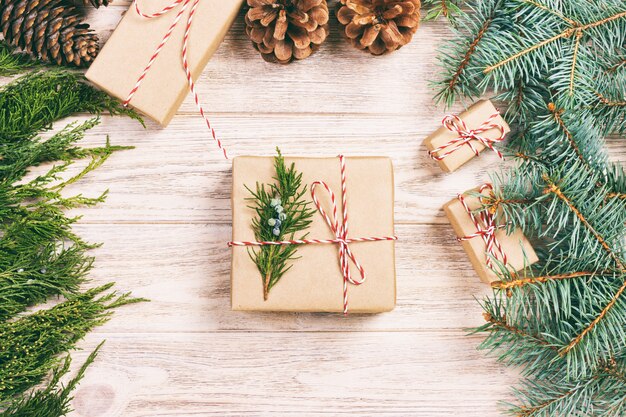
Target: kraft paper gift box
x=473, y=117
x=315, y=282
x=516, y=246
x=129, y=49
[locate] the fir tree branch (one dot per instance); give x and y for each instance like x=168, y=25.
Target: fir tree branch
x=557, y=114
x=595, y=322
x=613, y=68
x=501, y=324
x=449, y=9
x=520, y=282
x=459, y=76
x=572, y=298
x=554, y=189
x=621, y=196
x=468, y=55
x=609, y=102
x=567, y=33
x=545, y=408
x=554, y=12
x=579, y=36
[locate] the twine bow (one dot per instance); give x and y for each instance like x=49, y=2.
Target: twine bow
x=486, y=228
x=184, y=55
x=339, y=230
x=465, y=136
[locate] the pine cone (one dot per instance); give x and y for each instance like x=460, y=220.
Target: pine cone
x=283, y=30
x=380, y=26
x=48, y=30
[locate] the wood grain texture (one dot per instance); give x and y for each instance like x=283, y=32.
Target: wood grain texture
x=184, y=270
x=167, y=219
x=290, y=374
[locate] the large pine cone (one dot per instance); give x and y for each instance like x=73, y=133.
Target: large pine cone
x=283, y=30
x=48, y=30
x=380, y=26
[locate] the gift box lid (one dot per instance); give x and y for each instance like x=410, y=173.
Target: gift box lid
x=515, y=245
x=130, y=47
x=315, y=283
x=473, y=117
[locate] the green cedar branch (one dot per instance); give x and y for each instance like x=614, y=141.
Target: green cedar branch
x=55, y=398
x=30, y=345
x=273, y=224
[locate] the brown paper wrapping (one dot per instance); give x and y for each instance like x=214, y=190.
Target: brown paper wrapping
x=132, y=44
x=315, y=282
x=518, y=249
x=473, y=117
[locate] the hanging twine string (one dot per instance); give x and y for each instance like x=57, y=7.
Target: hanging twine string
x=184, y=55
x=339, y=230
x=486, y=227
x=465, y=136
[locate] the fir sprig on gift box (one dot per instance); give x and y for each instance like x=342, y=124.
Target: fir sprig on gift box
x=281, y=211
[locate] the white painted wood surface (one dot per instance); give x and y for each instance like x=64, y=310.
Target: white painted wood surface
x=167, y=219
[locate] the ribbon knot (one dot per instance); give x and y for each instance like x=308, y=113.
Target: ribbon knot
x=341, y=233
x=184, y=56
x=486, y=227
x=465, y=136
x=339, y=230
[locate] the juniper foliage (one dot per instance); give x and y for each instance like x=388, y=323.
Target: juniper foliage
x=54, y=399
x=281, y=211
x=40, y=256
x=558, y=66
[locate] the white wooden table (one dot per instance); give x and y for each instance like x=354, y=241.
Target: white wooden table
x=167, y=220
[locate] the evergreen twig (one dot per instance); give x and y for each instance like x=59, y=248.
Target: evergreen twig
x=54, y=399
x=40, y=255
x=559, y=66
x=281, y=212
x=12, y=62
x=448, y=9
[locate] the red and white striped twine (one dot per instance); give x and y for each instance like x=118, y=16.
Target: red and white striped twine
x=486, y=228
x=465, y=136
x=184, y=54
x=340, y=231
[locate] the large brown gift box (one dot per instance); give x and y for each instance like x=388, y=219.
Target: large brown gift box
x=473, y=117
x=315, y=282
x=516, y=246
x=132, y=44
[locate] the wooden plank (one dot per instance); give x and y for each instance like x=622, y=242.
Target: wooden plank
x=337, y=79
x=290, y=374
x=177, y=174
x=184, y=269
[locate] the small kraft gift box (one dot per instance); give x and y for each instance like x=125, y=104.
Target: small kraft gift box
x=484, y=237
x=464, y=136
x=344, y=260
x=143, y=66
